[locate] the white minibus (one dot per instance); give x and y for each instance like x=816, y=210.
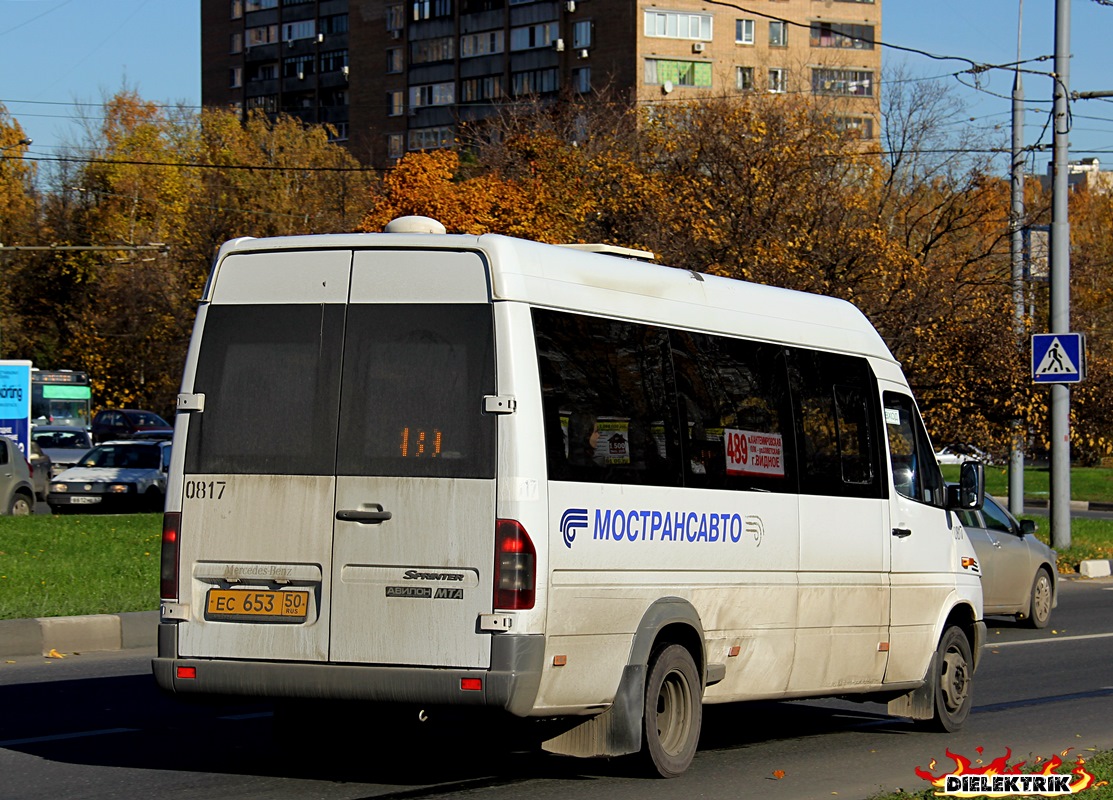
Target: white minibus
x=423, y=470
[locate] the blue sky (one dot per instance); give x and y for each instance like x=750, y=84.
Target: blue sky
x=56, y=53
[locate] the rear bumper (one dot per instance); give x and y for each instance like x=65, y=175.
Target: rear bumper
x=511, y=683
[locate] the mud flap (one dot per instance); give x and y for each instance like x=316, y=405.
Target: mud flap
x=919, y=703
x=615, y=732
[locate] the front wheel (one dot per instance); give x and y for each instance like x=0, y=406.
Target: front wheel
x=673, y=711
x=1039, y=604
x=954, y=681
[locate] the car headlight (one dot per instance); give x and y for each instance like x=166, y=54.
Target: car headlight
x=117, y=488
x=59, y=487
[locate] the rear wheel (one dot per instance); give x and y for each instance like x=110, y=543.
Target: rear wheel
x=21, y=506
x=953, y=695
x=1039, y=604
x=673, y=711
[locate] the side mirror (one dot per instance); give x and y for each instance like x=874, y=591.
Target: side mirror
x=969, y=494
x=1027, y=526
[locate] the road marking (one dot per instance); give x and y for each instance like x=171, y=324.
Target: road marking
x=60, y=736
x=1052, y=639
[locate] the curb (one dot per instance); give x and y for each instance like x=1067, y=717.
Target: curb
x=87, y=634
x=1075, y=505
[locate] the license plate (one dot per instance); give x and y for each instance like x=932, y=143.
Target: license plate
x=250, y=605
x=83, y=500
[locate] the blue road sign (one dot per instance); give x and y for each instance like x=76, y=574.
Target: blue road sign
x=1058, y=357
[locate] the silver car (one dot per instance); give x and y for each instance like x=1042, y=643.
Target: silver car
x=17, y=494
x=1019, y=574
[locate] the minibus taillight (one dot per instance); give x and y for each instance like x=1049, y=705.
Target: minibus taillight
x=515, y=566
x=168, y=569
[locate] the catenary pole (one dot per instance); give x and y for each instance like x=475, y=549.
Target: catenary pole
x=1060, y=280
x=1016, y=251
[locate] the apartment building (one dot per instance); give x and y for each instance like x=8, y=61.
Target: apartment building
x=392, y=77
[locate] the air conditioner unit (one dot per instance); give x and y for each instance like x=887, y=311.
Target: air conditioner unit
x=396, y=33
x=320, y=38
x=301, y=75
x=699, y=47
x=344, y=70
x=570, y=5
x=583, y=54
x=558, y=45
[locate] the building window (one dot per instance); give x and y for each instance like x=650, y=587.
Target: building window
x=581, y=80
x=395, y=19
x=394, y=144
x=237, y=9
x=744, y=78
x=396, y=102
x=259, y=5
x=262, y=72
x=532, y=37
x=334, y=60
x=581, y=34
x=858, y=127
x=431, y=9
x=235, y=79
x=433, y=94
x=537, y=81
x=338, y=131
x=266, y=102
x=431, y=138
x=778, y=34
x=394, y=60
x=833, y=34
x=473, y=90
x=236, y=44
x=778, y=80
x=744, y=31
x=676, y=25
x=303, y=29
x=427, y=51
x=482, y=44
x=845, y=82
x=298, y=66
x=263, y=34
x=336, y=24
x=678, y=73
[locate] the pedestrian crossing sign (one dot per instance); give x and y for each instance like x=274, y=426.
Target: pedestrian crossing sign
x=1058, y=357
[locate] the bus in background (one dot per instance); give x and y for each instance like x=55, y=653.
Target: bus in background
x=60, y=397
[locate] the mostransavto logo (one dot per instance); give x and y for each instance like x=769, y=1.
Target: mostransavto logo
x=1000, y=779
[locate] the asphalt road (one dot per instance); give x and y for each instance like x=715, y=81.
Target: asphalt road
x=96, y=726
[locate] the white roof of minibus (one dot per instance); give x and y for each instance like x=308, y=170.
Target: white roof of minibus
x=560, y=277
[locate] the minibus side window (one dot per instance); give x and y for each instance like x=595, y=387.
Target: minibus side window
x=836, y=424
x=734, y=409
x=916, y=472
x=607, y=400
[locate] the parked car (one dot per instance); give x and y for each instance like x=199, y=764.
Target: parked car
x=1019, y=573
x=17, y=493
x=959, y=452
x=114, y=476
x=65, y=444
x=129, y=423
x=41, y=466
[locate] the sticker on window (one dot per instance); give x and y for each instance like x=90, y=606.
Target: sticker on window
x=754, y=453
x=892, y=416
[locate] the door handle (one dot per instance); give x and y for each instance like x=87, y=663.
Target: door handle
x=902, y=533
x=364, y=516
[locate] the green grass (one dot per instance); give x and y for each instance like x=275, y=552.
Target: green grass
x=1100, y=765
x=53, y=566
x=1086, y=483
